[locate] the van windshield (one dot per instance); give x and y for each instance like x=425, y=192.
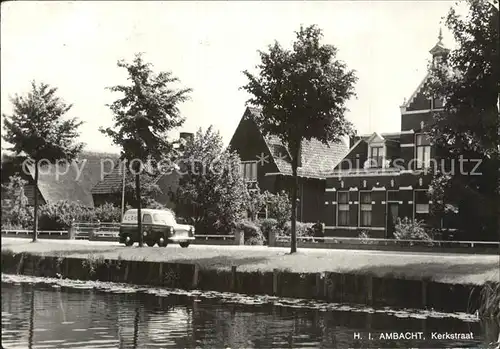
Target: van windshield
x=164, y=218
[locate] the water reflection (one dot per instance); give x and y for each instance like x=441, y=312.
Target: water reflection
x=44, y=316
x=32, y=319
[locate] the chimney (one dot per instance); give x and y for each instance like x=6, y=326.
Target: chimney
x=353, y=140
x=186, y=136
x=299, y=160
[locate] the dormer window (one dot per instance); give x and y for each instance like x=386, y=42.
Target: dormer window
x=376, y=151
x=376, y=156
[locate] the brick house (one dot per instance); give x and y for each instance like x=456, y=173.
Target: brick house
x=383, y=176
x=265, y=162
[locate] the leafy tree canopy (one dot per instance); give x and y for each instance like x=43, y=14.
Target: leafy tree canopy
x=302, y=91
x=148, y=110
x=211, y=189
x=38, y=126
x=469, y=81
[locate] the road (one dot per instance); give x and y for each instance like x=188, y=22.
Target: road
x=310, y=251
x=450, y=268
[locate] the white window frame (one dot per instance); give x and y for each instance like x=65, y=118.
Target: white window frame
x=418, y=164
x=415, y=203
x=244, y=163
x=359, y=209
x=338, y=209
x=377, y=144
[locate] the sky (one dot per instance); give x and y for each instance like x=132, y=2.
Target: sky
x=75, y=46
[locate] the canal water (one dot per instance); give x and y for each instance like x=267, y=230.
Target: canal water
x=50, y=313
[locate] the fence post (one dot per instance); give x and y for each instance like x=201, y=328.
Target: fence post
x=272, y=238
x=424, y=293
x=233, y=278
x=239, y=237
x=369, y=289
x=95, y=229
x=275, y=282
x=195, y=275
x=318, y=285
x=72, y=230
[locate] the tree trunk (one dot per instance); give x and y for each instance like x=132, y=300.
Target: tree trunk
x=35, y=208
x=293, y=241
x=139, y=215
x=123, y=189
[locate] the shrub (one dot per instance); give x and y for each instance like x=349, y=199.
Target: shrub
x=364, y=236
x=214, y=196
x=59, y=215
x=407, y=229
x=268, y=225
x=15, y=211
x=108, y=213
x=253, y=234
x=255, y=201
x=279, y=207
x=303, y=229
x=490, y=300
x=17, y=218
x=153, y=204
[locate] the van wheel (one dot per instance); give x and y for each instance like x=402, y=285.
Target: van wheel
x=162, y=243
x=184, y=244
x=150, y=243
x=129, y=242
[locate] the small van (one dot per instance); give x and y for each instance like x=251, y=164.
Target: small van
x=158, y=227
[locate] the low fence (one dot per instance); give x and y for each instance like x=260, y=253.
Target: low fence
x=102, y=231
x=389, y=244
x=43, y=234
x=105, y=231
x=98, y=231
x=216, y=240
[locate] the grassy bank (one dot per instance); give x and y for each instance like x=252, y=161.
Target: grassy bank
x=453, y=269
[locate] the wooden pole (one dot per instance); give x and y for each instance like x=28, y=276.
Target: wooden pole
x=123, y=188
x=35, y=209
x=139, y=213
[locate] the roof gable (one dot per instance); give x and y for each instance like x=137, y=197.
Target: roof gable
x=113, y=182
x=418, y=96
x=317, y=158
x=62, y=181
x=375, y=138
x=95, y=166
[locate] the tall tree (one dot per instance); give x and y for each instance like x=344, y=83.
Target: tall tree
x=211, y=189
x=303, y=94
x=468, y=79
x=148, y=110
x=39, y=128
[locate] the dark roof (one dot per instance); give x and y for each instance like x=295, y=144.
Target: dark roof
x=113, y=182
x=95, y=166
x=317, y=158
x=62, y=182
x=72, y=182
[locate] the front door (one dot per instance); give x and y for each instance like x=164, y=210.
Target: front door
x=392, y=215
